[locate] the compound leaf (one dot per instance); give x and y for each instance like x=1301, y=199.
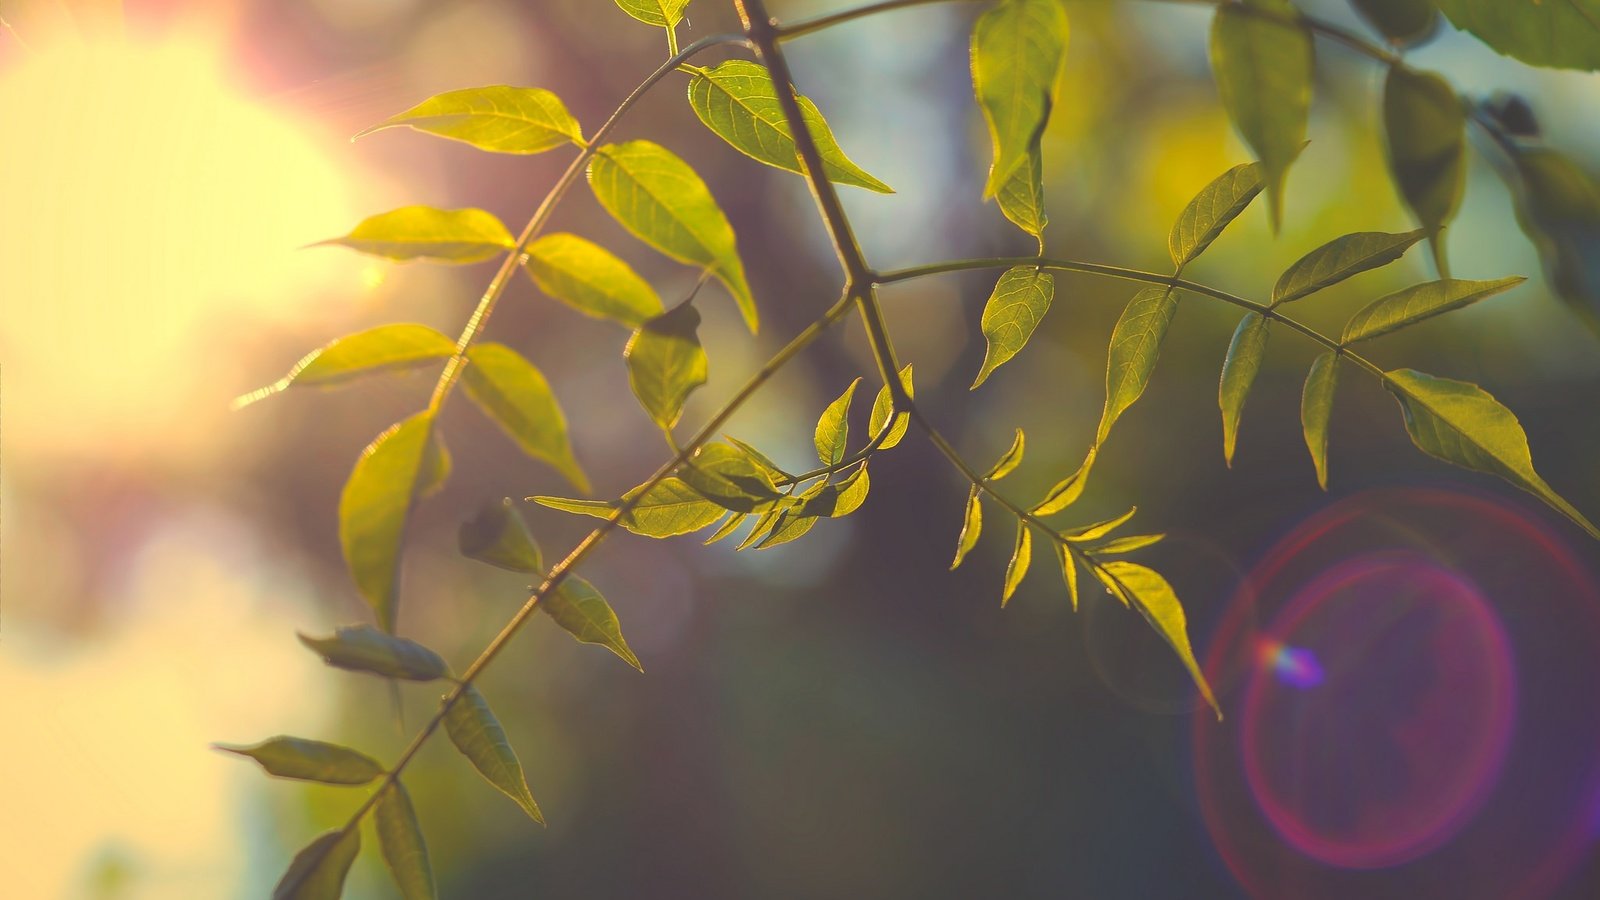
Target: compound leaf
x=424, y=232
x=514, y=394
x=476, y=732
x=497, y=118
x=1019, y=302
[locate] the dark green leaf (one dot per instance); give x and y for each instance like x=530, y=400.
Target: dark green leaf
x=666, y=363
x=833, y=428
x=1021, y=557
x=305, y=760
x=1261, y=55
x=1403, y=22
x=498, y=118
x=1419, y=302
x=387, y=348
x=362, y=648
x=971, y=527
x=376, y=502
x=1009, y=461
x=516, y=396
x=1020, y=300
x=1316, y=407
x=1339, y=259
x=1561, y=33
x=884, y=405
x=579, y=609
x=1239, y=368
x=498, y=536
x=591, y=280
x=1017, y=51
x=1148, y=592
x=1211, y=211
x=1558, y=206
x=1135, y=347
x=318, y=871
x=476, y=732
x=423, y=232
x=1427, y=146
x=400, y=839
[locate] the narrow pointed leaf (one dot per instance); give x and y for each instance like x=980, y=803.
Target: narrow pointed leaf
x=1067, y=491
x=666, y=363
x=728, y=527
x=1019, y=302
x=1461, y=423
x=838, y=499
x=515, y=395
x=1021, y=198
x=591, y=280
x=497, y=535
x=1129, y=544
x=387, y=348
x=1158, y=603
x=971, y=527
x=376, y=503
x=1017, y=50
x=660, y=199
x=423, y=232
x=763, y=525
x=728, y=477
x=579, y=608
x=1135, y=347
x=1211, y=211
x=318, y=871
x=307, y=760
x=1021, y=557
x=791, y=524
x=362, y=648
x=1427, y=146
x=1008, y=461
x=833, y=428
x=883, y=405
x=1069, y=571
x=1261, y=56
x=476, y=732
x=665, y=13
x=1248, y=348
x=1418, y=302
x=1316, y=408
x=404, y=850
x=497, y=118
x=1561, y=33
x=670, y=508
x=1098, y=530
x=1339, y=259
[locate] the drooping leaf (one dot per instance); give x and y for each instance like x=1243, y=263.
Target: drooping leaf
x=1403, y=22
x=497, y=535
x=738, y=101
x=1427, y=146
x=376, y=502
x=1069, y=571
x=1135, y=347
x=1339, y=259
x=307, y=760
x=515, y=396
x=400, y=839
x=497, y=118
x=1017, y=50
x=591, y=280
x=1009, y=461
x=1560, y=33
x=579, y=608
x=1020, y=300
x=1461, y=423
x=362, y=648
x=1419, y=302
x=665, y=13
x=971, y=526
x=1090, y=533
x=1067, y=491
x=1261, y=56
x=1558, y=207
x=1239, y=368
x=883, y=405
x=1021, y=557
x=1147, y=591
x=660, y=199
x=729, y=478
x=1316, y=407
x=1211, y=211
x=833, y=428
x=1021, y=198
x=666, y=363
x=318, y=871
x=670, y=508
x=424, y=232
x=387, y=348
x=476, y=732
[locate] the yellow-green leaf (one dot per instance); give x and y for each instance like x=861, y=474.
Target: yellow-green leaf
x=391, y=473
x=1021, y=198
x=1069, y=571
x=837, y=500
x=833, y=428
x=1562, y=33
x=665, y=13
x=387, y=348
x=1316, y=407
x=1135, y=347
x=1427, y=146
x=791, y=524
x=1211, y=211
x=1418, y=302
x=666, y=363
x=1261, y=56
x=1098, y=530
x=582, y=612
x=362, y=648
x=424, y=232
x=1021, y=557
x=670, y=508
x=1019, y=302
x=591, y=280
x=400, y=839
x=497, y=118
x=1067, y=491
x=307, y=760
x=516, y=396
x=1017, y=51
x=1129, y=544
x=1147, y=591
x=729, y=478
x=1339, y=259
x=883, y=405
x=660, y=199
x=1008, y=461
x=476, y=732
x=318, y=871
x=738, y=101
x=1461, y=423
x=971, y=526
x=729, y=526
x=1239, y=368
x=497, y=535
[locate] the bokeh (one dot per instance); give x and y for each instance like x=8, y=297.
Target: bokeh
x=1407, y=661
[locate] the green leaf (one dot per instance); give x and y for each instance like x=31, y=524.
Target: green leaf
x=1211, y=211
x=833, y=428
x=588, y=278
x=387, y=348
x=738, y=101
x=1427, y=146
x=660, y=199
x=839, y=499
x=362, y=648
x=666, y=363
x=765, y=523
x=423, y=232
x=1020, y=300
x=1009, y=460
x=1558, y=207
x=476, y=732
x=1098, y=530
x=1135, y=347
x=791, y=524
x=1068, y=490
x=729, y=526
x=1339, y=259
x=971, y=527
x=1461, y=423
x=1129, y=544
x=306, y=760
x=1148, y=592
x=1021, y=557
x=670, y=508
x=1316, y=407
x=391, y=473
x=1021, y=198
x=1419, y=302
x=578, y=608
x=665, y=13
x=1560, y=33
x=497, y=535
x=516, y=397
x=498, y=118
x=1403, y=22
x=1017, y=50
x=400, y=839
x=729, y=478
x=884, y=405
x=761, y=460
x=318, y=871
x=1239, y=368
x=1261, y=56
x=1069, y=571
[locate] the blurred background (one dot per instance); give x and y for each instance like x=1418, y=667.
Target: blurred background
x=1408, y=661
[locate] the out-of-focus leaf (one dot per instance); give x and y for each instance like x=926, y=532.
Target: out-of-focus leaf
x=1067, y=491
x=1021, y=198
x=516, y=396
x=1427, y=145
x=1211, y=211
x=497, y=535
x=665, y=13
x=1020, y=300
x=362, y=648
x=1147, y=591
x=1017, y=50
x=1135, y=347
x=666, y=363
x=376, y=502
x=1008, y=461
x=1403, y=22
x=1418, y=302
x=400, y=839
x=1339, y=259
x=660, y=199
x=307, y=760
x=387, y=348
x=971, y=526
x=1239, y=368
x=579, y=608
x=670, y=508
x=318, y=871
x=1560, y=33
x=591, y=280
x=738, y=101
x=1461, y=423
x=1021, y=557
x=476, y=732
x=1558, y=207
x=833, y=428
x=1261, y=56
x=883, y=405
x=424, y=232
x=1316, y=407
x=1098, y=530
x=497, y=118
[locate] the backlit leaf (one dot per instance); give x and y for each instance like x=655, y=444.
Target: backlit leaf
x=1211, y=211
x=666, y=13
x=833, y=428
x=318, y=871
x=666, y=363
x=1021, y=557
x=1129, y=544
x=423, y=232
x=497, y=535
x=1339, y=259
x=971, y=526
x=1017, y=51
x=376, y=502
x=1261, y=56
x=579, y=608
x=791, y=524
x=1562, y=33
x=476, y=732
x=515, y=395
x=761, y=460
x=1098, y=530
x=1239, y=368
x=387, y=348
x=1427, y=146
x=1135, y=347
x=1316, y=407
x=362, y=648
x=729, y=478
x=400, y=839
x=591, y=280
x=1148, y=592
x=883, y=405
x=1418, y=302
x=1008, y=461
x=728, y=527
x=1067, y=491
x=1020, y=300
x=1021, y=198
x=1403, y=22
x=307, y=760
x=838, y=499
x=497, y=118
x=1069, y=571
x=670, y=508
